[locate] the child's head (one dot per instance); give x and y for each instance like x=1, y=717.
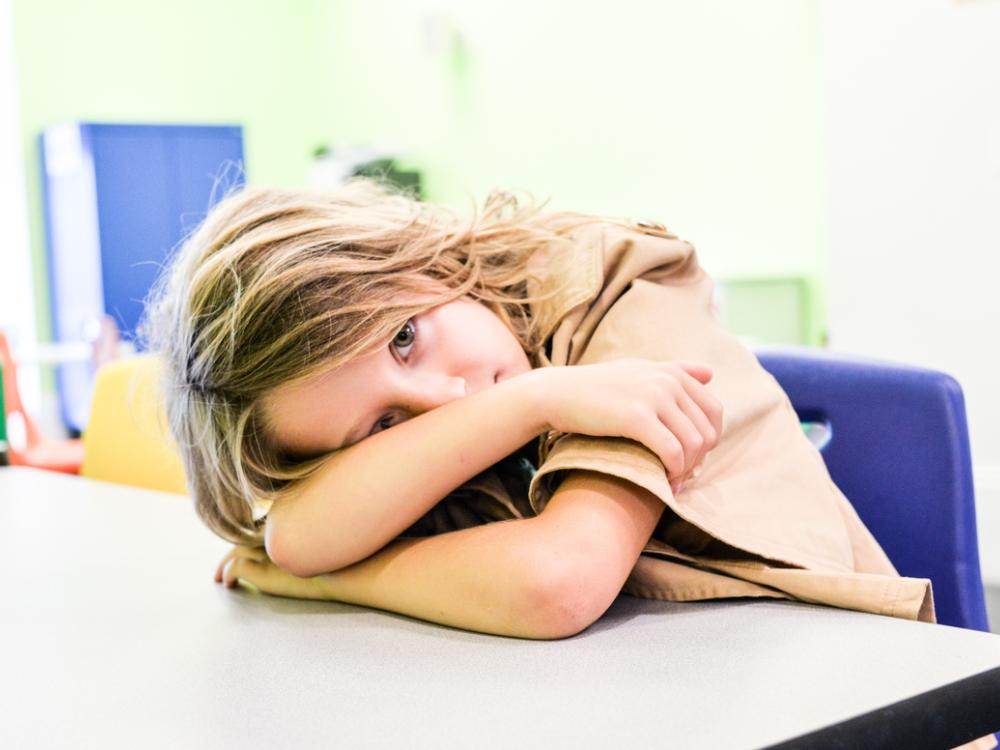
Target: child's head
x=277, y=288
x=451, y=351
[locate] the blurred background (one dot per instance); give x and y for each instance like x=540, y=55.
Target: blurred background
x=837, y=164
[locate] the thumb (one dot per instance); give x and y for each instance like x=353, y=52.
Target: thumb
x=702, y=373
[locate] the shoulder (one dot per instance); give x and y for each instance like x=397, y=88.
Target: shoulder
x=595, y=262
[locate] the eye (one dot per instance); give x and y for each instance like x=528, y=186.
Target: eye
x=398, y=341
x=383, y=424
x=402, y=335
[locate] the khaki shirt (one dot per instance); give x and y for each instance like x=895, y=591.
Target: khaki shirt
x=762, y=518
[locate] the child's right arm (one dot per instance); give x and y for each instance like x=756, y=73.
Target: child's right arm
x=547, y=576
x=369, y=493
x=501, y=578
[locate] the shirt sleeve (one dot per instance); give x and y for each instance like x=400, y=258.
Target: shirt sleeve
x=764, y=489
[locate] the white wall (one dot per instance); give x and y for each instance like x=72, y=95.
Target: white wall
x=17, y=307
x=913, y=134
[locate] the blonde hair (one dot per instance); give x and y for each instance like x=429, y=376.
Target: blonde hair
x=276, y=285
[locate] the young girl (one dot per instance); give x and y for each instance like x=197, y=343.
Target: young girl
x=362, y=387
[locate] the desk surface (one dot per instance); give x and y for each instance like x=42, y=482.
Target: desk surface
x=116, y=635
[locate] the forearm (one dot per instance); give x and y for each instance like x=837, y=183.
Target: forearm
x=488, y=578
x=499, y=578
x=369, y=493
x=548, y=576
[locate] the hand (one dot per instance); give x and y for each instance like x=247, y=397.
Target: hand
x=252, y=565
x=663, y=405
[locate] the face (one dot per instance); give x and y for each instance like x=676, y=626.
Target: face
x=448, y=352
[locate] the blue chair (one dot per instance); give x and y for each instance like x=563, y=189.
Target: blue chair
x=899, y=451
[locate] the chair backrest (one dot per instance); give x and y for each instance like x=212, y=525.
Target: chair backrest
x=899, y=451
x=127, y=440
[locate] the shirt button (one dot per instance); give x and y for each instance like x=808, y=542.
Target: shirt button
x=653, y=227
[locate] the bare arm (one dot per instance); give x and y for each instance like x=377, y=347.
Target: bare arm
x=544, y=577
x=602, y=523
x=497, y=578
x=367, y=494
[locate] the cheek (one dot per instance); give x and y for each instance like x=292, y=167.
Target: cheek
x=482, y=336
x=514, y=360
x=507, y=347
x=292, y=424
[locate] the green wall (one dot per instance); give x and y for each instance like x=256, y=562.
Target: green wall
x=707, y=116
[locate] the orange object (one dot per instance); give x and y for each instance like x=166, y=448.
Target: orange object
x=38, y=450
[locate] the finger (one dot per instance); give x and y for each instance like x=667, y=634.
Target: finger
x=710, y=406
x=703, y=373
x=222, y=564
x=237, y=568
x=257, y=554
x=680, y=424
x=230, y=573
x=221, y=567
x=658, y=438
x=702, y=423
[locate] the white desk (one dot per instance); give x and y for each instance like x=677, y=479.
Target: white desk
x=115, y=635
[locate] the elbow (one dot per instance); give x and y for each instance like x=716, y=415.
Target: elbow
x=277, y=548
x=562, y=603
x=286, y=553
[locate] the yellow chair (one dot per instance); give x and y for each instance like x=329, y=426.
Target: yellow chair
x=127, y=440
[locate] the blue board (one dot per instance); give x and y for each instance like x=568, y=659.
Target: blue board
x=119, y=199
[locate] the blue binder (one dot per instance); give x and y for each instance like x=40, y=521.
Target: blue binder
x=118, y=200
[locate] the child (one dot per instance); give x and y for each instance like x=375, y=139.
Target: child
x=360, y=386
